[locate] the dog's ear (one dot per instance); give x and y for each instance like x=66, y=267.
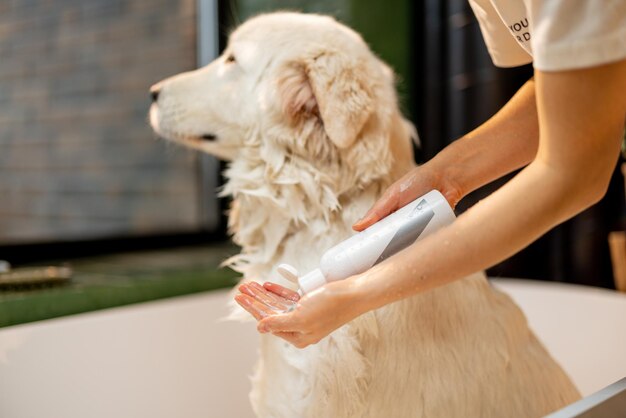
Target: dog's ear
x=295, y=93
x=331, y=86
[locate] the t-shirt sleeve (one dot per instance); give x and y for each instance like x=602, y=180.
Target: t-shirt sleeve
x=577, y=34
x=502, y=46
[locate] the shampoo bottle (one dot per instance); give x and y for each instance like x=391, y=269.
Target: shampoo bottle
x=378, y=242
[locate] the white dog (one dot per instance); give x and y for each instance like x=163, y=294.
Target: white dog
x=308, y=118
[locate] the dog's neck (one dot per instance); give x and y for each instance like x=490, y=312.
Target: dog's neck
x=275, y=195
x=279, y=189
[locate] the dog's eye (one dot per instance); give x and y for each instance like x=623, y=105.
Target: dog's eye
x=230, y=58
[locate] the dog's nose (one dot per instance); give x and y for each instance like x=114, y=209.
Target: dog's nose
x=154, y=93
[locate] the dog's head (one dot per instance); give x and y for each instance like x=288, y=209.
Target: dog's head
x=305, y=82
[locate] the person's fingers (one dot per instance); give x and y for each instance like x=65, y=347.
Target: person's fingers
x=254, y=307
x=251, y=290
x=282, y=291
x=383, y=207
x=265, y=296
x=264, y=293
x=245, y=289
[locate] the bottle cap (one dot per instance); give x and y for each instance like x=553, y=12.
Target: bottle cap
x=289, y=272
x=311, y=281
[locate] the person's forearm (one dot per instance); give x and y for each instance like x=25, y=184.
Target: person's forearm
x=491, y=231
x=582, y=115
x=499, y=146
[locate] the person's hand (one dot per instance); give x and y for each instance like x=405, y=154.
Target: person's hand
x=412, y=185
x=300, y=321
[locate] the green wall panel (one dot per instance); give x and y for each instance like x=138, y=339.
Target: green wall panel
x=385, y=25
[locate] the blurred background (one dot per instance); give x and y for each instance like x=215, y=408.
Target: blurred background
x=81, y=173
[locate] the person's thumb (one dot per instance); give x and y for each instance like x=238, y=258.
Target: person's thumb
x=276, y=323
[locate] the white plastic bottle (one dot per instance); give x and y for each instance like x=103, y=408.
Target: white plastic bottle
x=378, y=242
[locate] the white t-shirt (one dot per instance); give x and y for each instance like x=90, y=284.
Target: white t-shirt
x=553, y=34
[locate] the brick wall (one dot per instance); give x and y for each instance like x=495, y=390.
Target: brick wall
x=77, y=157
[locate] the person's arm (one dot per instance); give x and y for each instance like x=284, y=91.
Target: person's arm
x=506, y=142
x=581, y=118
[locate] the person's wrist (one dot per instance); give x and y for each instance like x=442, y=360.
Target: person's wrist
x=446, y=178
x=360, y=293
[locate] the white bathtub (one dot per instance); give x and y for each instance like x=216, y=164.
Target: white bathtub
x=174, y=359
